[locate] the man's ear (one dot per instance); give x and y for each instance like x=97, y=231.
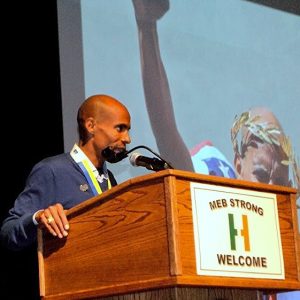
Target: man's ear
x=238, y=164
x=90, y=125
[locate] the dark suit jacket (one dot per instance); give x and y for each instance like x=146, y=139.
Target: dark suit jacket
x=53, y=180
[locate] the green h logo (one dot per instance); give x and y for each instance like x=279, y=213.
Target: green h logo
x=244, y=232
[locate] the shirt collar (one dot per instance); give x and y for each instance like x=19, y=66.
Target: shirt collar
x=78, y=155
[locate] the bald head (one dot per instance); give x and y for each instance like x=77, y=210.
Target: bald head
x=264, y=126
x=259, y=154
x=99, y=107
x=266, y=116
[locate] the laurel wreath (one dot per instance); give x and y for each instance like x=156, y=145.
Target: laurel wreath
x=270, y=134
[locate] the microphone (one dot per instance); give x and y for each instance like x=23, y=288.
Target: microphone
x=113, y=157
x=153, y=164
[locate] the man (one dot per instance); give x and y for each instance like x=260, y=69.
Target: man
x=63, y=181
x=263, y=152
x=266, y=160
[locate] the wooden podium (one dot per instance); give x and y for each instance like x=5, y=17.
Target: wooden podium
x=136, y=241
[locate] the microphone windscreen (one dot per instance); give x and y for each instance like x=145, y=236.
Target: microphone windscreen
x=132, y=158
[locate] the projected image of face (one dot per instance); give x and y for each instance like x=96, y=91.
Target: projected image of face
x=262, y=151
x=261, y=162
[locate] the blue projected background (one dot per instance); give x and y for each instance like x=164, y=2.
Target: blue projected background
x=220, y=58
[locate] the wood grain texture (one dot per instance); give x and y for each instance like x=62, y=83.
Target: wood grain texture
x=137, y=239
x=173, y=226
x=188, y=293
x=188, y=253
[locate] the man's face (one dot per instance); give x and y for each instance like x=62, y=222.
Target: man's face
x=262, y=163
x=113, y=132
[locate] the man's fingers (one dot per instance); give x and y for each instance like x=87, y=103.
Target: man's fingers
x=62, y=213
x=55, y=220
x=61, y=222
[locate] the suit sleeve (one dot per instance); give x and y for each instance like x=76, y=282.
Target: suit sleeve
x=18, y=230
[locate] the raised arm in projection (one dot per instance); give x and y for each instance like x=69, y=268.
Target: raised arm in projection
x=156, y=87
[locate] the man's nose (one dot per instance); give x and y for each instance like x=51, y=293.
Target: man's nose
x=126, y=138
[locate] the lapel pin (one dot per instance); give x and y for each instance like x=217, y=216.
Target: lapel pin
x=84, y=187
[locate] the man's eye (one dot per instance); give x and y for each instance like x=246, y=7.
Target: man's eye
x=121, y=128
x=262, y=176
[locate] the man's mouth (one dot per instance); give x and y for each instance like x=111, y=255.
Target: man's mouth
x=114, y=155
x=117, y=150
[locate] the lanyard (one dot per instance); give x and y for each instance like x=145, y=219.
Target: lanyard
x=90, y=172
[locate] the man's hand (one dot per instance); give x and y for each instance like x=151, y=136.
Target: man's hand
x=54, y=220
x=149, y=10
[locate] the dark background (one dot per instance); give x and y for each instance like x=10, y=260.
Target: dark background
x=291, y=6
x=31, y=120
x=32, y=117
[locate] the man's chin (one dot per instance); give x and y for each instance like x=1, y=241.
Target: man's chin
x=114, y=155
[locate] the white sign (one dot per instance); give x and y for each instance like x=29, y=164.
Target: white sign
x=236, y=232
